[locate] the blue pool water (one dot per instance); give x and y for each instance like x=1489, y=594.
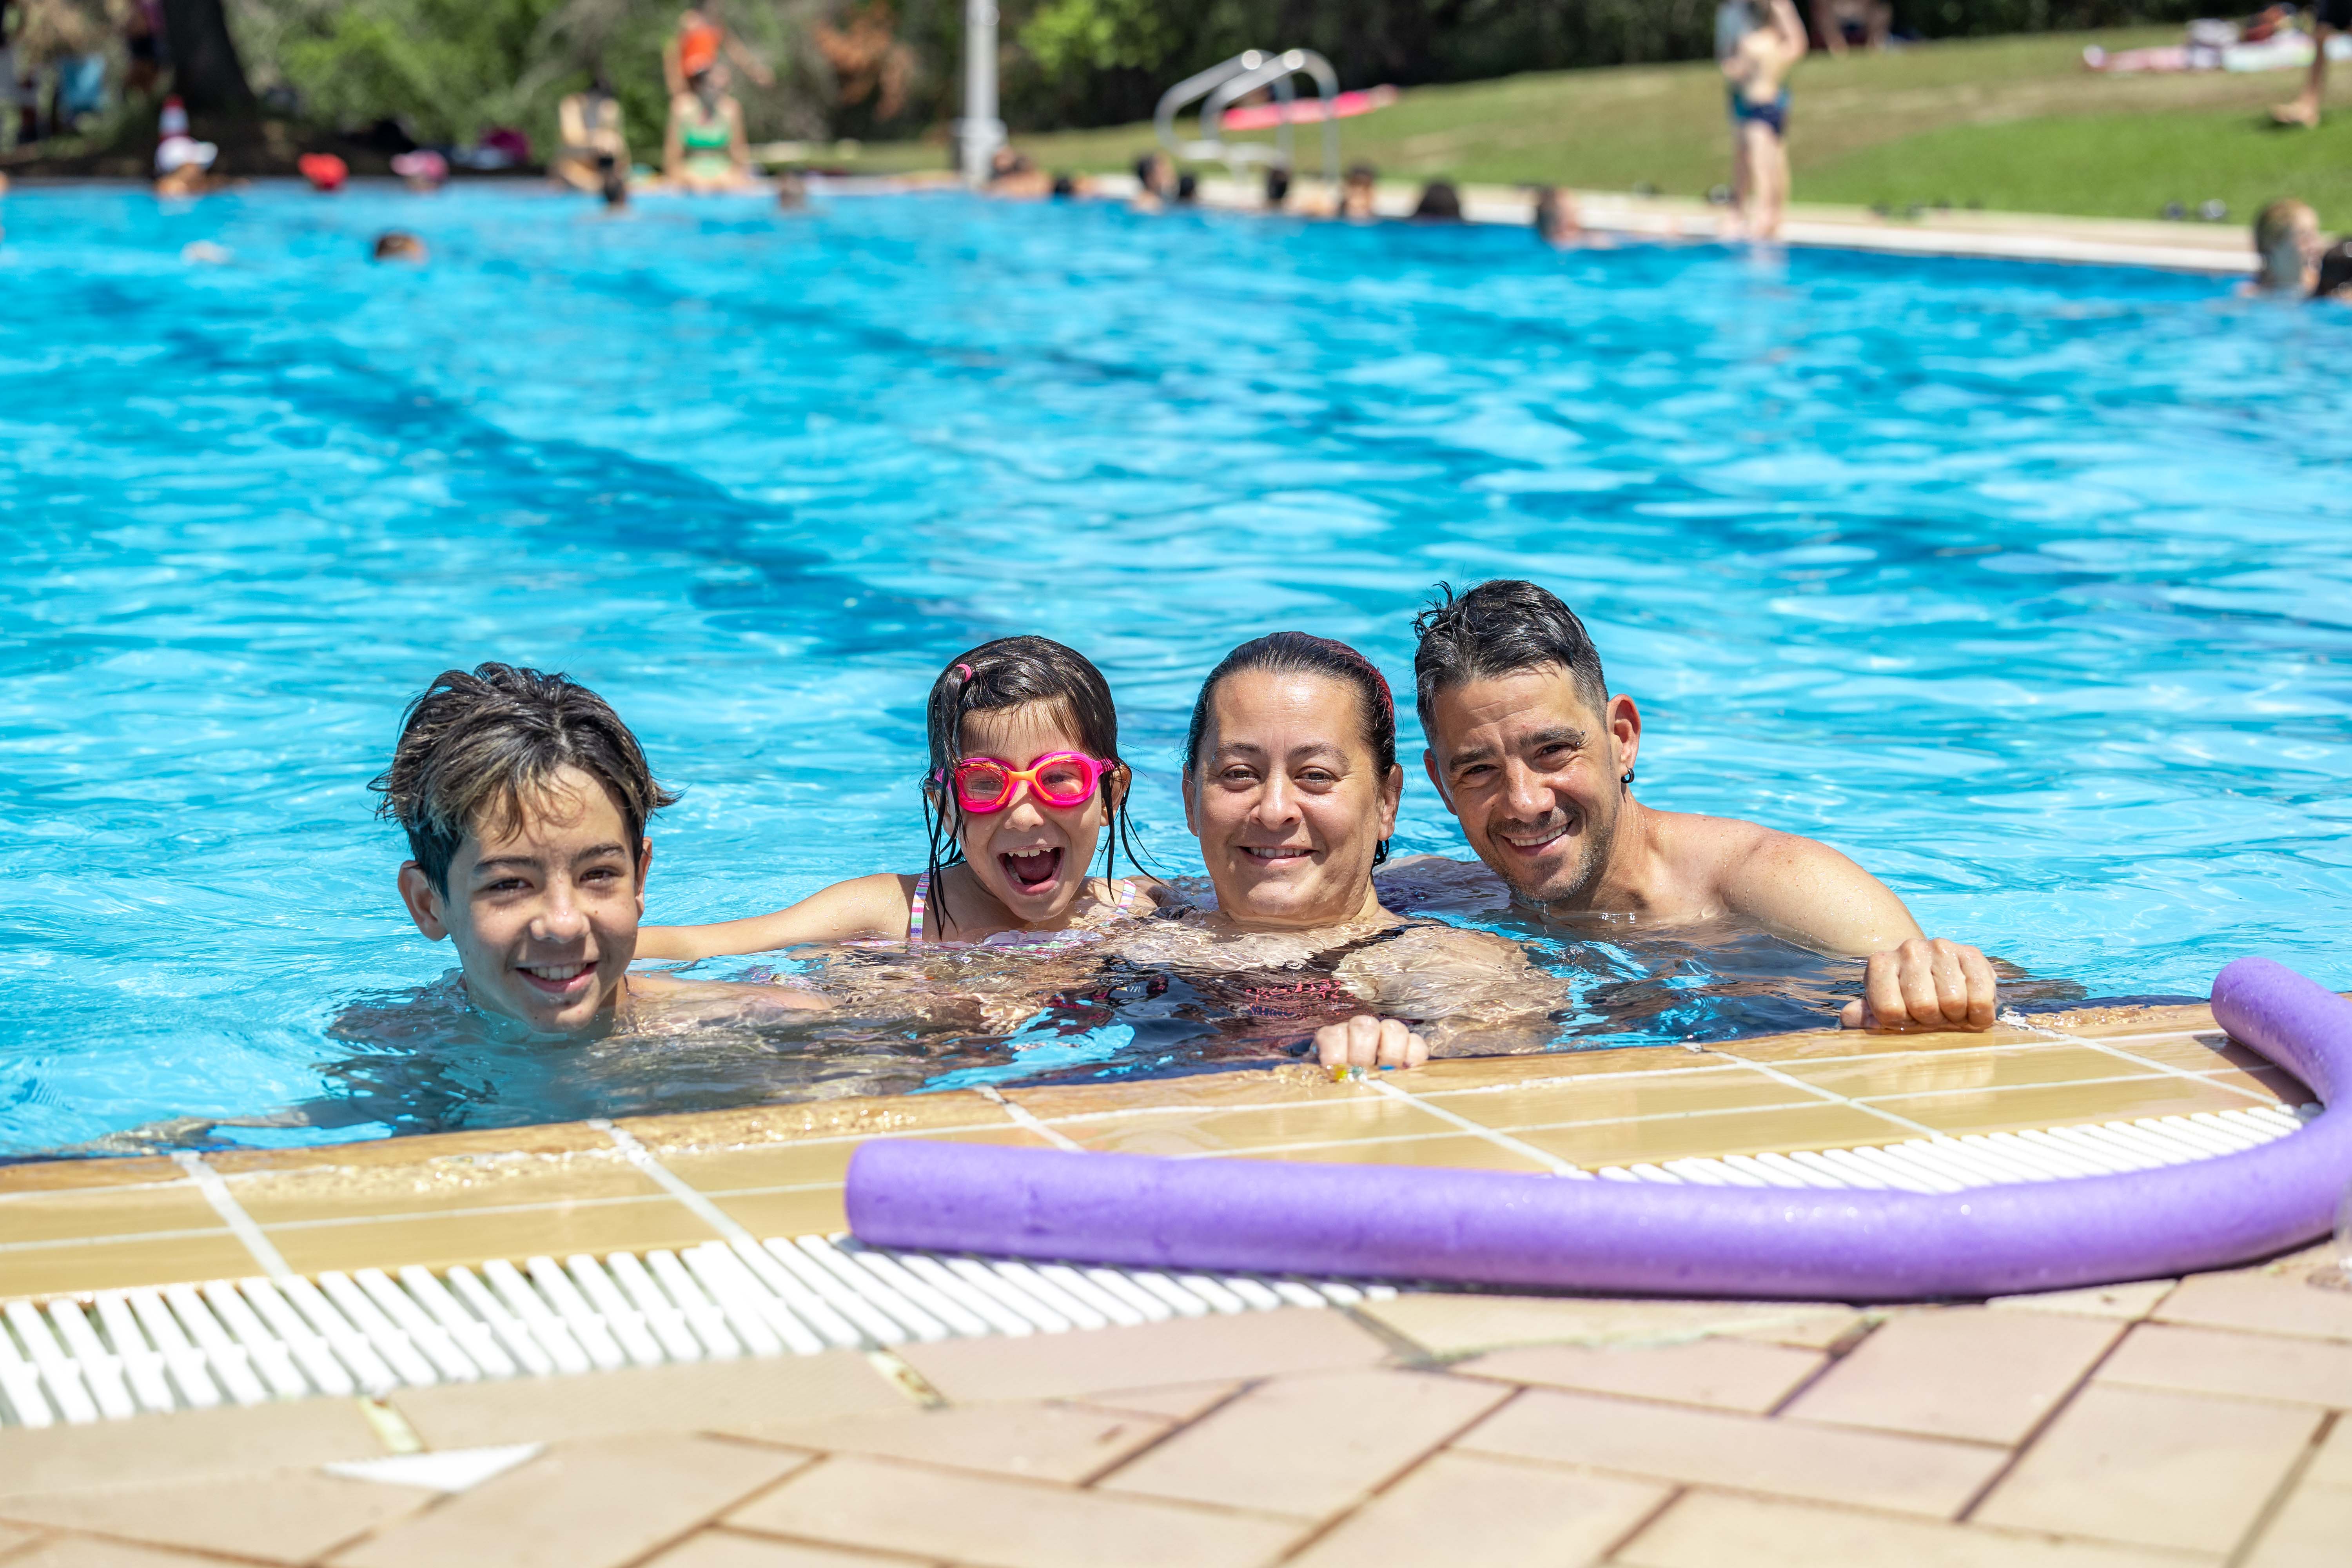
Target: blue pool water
x=2031, y=587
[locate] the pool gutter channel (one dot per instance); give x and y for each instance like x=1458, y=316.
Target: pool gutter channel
x=116, y=1354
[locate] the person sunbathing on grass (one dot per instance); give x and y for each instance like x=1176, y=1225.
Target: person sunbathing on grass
x=524, y=798
x=1535, y=759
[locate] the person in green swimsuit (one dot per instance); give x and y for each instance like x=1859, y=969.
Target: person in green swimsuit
x=705, y=150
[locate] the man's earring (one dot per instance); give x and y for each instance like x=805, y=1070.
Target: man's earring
x=1628, y=778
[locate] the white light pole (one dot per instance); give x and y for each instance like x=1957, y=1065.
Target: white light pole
x=979, y=133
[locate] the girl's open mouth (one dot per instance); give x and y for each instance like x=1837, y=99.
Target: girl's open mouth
x=1033, y=871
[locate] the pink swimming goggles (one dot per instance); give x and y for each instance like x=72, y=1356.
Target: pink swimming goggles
x=984, y=785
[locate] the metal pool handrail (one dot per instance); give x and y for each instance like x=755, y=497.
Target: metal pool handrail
x=1221, y=84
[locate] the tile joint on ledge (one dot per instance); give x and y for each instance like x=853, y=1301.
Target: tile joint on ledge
x=216, y=1193
x=670, y=1182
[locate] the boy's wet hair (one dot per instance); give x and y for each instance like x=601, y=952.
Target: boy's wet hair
x=1301, y=653
x=1499, y=628
x=1012, y=672
x=477, y=747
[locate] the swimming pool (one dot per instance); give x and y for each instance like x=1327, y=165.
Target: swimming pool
x=2029, y=586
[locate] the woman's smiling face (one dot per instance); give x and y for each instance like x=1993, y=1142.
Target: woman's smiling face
x=1032, y=856
x=1288, y=803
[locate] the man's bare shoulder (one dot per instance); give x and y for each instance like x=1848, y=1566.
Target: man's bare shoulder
x=1786, y=882
x=1702, y=850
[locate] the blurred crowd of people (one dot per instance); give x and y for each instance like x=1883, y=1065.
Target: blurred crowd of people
x=55, y=55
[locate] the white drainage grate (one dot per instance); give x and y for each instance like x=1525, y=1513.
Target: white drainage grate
x=246, y=1341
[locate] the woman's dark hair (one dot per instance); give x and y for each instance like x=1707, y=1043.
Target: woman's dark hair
x=1300, y=653
x=1497, y=628
x=475, y=744
x=1008, y=673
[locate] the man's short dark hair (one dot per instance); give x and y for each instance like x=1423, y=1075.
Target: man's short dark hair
x=476, y=745
x=1499, y=628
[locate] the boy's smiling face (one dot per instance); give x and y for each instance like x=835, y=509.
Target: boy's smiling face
x=544, y=912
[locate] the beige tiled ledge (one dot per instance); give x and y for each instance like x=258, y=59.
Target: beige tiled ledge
x=77, y=1227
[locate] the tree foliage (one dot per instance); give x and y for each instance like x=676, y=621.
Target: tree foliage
x=448, y=69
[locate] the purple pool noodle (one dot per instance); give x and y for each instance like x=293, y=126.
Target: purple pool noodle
x=1491, y=1227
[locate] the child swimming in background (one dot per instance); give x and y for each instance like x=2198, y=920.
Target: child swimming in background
x=1024, y=781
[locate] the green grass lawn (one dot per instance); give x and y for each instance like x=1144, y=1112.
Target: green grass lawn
x=2015, y=124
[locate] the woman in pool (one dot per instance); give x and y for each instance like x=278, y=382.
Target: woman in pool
x=1291, y=784
x=705, y=150
x=1026, y=780
x=1756, y=64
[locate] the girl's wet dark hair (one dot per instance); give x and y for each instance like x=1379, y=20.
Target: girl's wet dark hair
x=1009, y=673
x=1301, y=653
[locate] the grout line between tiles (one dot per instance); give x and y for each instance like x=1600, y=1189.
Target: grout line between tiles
x=1832, y=1096
x=2288, y=1484
x=1027, y=1119
x=670, y=1182
x=546, y=1205
x=2060, y=1083
x=119, y=1236
x=208, y=1182
x=2166, y=1067
x=1966, y=1512
x=1551, y=1163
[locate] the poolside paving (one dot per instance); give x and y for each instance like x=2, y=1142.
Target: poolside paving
x=2161, y=1422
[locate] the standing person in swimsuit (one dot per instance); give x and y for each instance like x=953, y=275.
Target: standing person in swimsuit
x=596, y=144
x=1291, y=784
x=701, y=37
x=705, y=150
x=1756, y=65
x=2328, y=18
x=1025, y=783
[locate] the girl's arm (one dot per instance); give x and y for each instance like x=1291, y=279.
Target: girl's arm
x=1791, y=28
x=674, y=144
x=874, y=907
x=748, y=63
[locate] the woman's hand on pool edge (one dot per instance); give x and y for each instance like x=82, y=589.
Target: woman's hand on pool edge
x=1924, y=986
x=1364, y=1041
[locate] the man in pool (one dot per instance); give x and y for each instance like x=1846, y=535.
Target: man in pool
x=525, y=800
x=1535, y=759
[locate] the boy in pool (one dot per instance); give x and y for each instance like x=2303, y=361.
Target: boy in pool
x=525, y=800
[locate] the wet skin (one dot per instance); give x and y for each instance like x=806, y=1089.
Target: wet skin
x=1290, y=805
x=1538, y=780
x=544, y=912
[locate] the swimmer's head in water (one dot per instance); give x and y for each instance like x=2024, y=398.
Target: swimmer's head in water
x=1291, y=781
x=524, y=798
x=1018, y=700
x=1526, y=747
x=398, y=245
x=2286, y=244
x=1440, y=203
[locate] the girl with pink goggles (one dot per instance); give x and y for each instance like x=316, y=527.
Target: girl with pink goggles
x=995, y=876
